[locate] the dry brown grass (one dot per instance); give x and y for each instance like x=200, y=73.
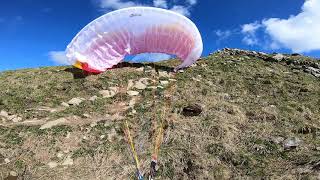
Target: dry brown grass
x=247, y=105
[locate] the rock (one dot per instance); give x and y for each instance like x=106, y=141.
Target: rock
x=314, y=71
x=133, y=93
x=75, y=101
x=65, y=104
x=68, y=135
x=279, y=57
x=109, y=93
x=93, y=124
x=139, y=85
x=291, y=143
x=316, y=75
x=262, y=53
x=102, y=136
x=60, y=155
x=13, y=173
x=6, y=160
x=68, y=161
x=86, y=115
x=192, y=110
x=4, y=114
x=132, y=102
x=16, y=119
x=93, y=98
x=151, y=87
x=164, y=74
x=140, y=69
x=164, y=83
x=51, y=124
x=130, y=84
x=145, y=81
x=196, y=79
x=52, y=164
x=173, y=80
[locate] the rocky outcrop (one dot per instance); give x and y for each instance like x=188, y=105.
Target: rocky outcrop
x=295, y=60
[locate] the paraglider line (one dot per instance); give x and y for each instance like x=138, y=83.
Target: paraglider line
x=133, y=151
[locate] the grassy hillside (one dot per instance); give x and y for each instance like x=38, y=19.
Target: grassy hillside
x=260, y=119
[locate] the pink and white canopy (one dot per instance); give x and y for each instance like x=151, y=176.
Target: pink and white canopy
x=107, y=40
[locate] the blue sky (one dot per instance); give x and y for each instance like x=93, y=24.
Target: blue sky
x=31, y=29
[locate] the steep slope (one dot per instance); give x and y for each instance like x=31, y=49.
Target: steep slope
x=260, y=117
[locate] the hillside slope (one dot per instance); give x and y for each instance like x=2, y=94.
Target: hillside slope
x=260, y=117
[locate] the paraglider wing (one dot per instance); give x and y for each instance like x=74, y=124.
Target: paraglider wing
x=107, y=40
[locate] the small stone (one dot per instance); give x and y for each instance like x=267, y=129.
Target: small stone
x=4, y=114
x=133, y=111
x=262, y=53
x=68, y=135
x=65, y=104
x=160, y=87
x=60, y=155
x=16, y=119
x=75, y=101
x=107, y=93
x=196, y=79
x=102, y=136
x=140, y=69
x=86, y=115
x=145, y=81
x=52, y=164
x=173, y=80
x=6, y=160
x=93, y=98
x=51, y=124
x=132, y=102
x=151, y=87
x=13, y=173
x=68, y=161
x=164, y=83
x=130, y=84
x=164, y=74
x=133, y=93
x=93, y=124
x=279, y=57
x=291, y=143
x=139, y=85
